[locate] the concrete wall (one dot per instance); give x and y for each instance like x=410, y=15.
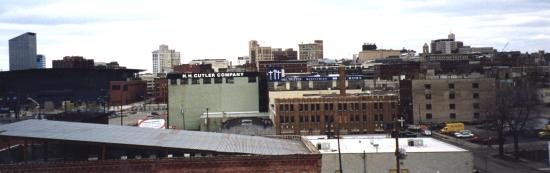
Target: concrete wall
x=448, y=162
x=194, y=99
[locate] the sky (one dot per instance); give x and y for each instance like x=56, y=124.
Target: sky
x=128, y=31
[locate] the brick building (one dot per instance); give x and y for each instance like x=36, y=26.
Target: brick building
x=126, y=92
x=388, y=71
x=357, y=114
x=291, y=66
x=161, y=90
x=193, y=68
x=73, y=62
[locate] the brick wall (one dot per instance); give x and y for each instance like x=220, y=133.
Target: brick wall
x=309, y=163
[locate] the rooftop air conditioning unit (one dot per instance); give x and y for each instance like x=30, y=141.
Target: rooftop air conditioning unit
x=415, y=142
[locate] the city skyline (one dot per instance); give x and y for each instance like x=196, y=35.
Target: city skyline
x=127, y=31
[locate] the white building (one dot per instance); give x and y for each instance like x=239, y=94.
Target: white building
x=164, y=59
x=445, y=46
x=377, y=154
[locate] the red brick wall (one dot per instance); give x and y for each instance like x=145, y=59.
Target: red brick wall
x=310, y=163
x=161, y=90
x=135, y=92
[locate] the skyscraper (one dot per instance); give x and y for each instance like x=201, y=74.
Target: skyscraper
x=40, y=61
x=22, y=52
x=311, y=51
x=259, y=53
x=164, y=59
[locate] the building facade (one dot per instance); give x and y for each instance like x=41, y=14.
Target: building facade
x=283, y=55
x=40, y=61
x=371, y=55
x=192, y=95
x=22, y=52
x=217, y=65
x=352, y=114
x=445, y=46
x=311, y=51
x=441, y=99
x=73, y=62
x=259, y=53
x=127, y=92
x=164, y=59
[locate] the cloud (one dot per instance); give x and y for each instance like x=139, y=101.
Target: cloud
x=128, y=30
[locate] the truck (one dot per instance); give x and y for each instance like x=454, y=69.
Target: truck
x=452, y=128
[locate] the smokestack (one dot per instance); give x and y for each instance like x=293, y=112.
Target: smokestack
x=342, y=80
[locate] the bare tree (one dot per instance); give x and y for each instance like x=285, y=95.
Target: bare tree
x=515, y=103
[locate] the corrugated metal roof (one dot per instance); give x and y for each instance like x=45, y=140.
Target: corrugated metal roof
x=164, y=138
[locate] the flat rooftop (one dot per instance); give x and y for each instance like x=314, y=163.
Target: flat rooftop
x=358, y=144
x=154, y=138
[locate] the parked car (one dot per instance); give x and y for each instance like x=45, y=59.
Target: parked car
x=484, y=140
x=464, y=134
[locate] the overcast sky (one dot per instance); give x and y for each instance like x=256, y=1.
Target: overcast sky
x=128, y=31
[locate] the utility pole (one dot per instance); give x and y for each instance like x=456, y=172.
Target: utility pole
x=398, y=122
x=207, y=123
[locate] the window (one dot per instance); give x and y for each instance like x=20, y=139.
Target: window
x=451, y=86
x=173, y=81
x=452, y=106
x=476, y=115
x=251, y=79
x=195, y=81
x=356, y=106
x=115, y=87
x=381, y=106
x=345, y=106
x=357, y=118
x=229, y=80
x=331, y=106
x=281, y=108
x=452, y=96
x=184, y=81
x=206, y=80
x=291, y=107
x=292, y=119
x=364, y=105
x=364, y=117
x=351, y=118
x=476, y=95
x=306, y=107
x=218, y=80
x=452, y=116
x=375, y=105
x=301, y=107
x=318, y=106
x=428, y=116
x=428, y=96
x=301, y=119
x=393, y=105
x=427, y=86
x=326, y=106
x=476, y=105
x=339, y=106
x=125, y=87
x=475, y=85
x=428, y=106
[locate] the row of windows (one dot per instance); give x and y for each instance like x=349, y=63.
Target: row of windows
x=452, y=96
x=341, y=106
x=451, y=86
x=451, y=116
x=217, y=80
x=452, y=106
x=316, y=118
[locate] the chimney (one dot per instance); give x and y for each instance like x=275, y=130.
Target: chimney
x=342, y=80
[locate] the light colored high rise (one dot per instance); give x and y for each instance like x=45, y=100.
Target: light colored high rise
x=22, y=52
x=40, y=61
x=164, y=59
x=446, y=46
x=259, y=53
x=311, y=51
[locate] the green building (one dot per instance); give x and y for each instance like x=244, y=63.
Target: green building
x=192, y=95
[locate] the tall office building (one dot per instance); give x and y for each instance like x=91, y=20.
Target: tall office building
x=40, y=61
x=445, y=46
x=22, y=52
x=164, y=59
x=259, y=53
x=311, y=51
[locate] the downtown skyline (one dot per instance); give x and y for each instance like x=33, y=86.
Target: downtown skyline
x=128, y=31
